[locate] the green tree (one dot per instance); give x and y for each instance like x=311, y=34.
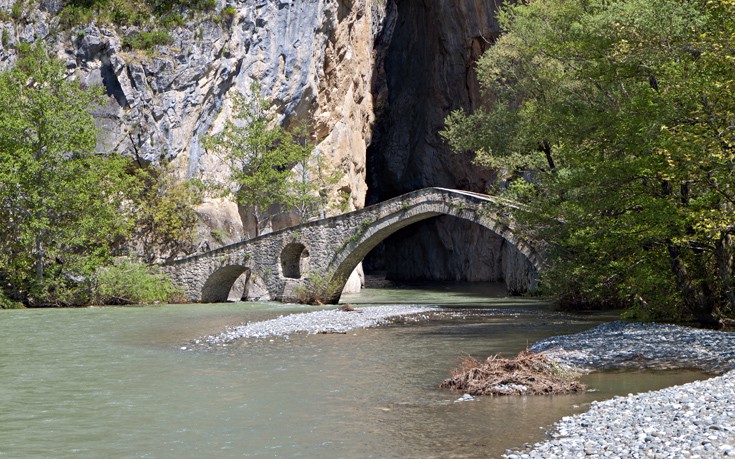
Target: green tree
x=163, y=208
x=311, y=179
x=59, y=202
x=260, y=155
x=621, y=112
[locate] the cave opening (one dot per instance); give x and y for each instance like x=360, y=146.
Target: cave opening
x=424, y=70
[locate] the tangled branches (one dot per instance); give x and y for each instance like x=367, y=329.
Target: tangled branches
x=528, y=374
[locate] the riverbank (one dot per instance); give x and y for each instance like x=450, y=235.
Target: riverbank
x=632, y=345
x=695, y=420
x=691, y=420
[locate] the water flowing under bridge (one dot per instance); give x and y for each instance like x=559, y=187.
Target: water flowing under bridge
x=320, y=255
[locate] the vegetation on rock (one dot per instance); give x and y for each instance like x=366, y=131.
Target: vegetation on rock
x=614, y=121
x=151, y=20
x=272, y=170
x=317, y=289
x=146, y=40
x=311, y=179
x=131, y=13
x=65, y=210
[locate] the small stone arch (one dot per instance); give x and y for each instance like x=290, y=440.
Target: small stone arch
x=294, y=260
x=218, y=285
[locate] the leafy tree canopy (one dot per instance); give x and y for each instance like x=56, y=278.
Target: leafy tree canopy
x=614, y=119
x=59, y=201
x=65, y=210
x=312, y=179
x=163, y=208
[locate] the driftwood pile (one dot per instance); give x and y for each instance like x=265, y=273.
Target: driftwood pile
x=528, y=374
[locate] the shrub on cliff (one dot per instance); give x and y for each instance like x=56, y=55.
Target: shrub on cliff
x=147, y=40
x=150, y=13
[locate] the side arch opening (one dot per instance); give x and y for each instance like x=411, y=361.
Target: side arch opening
x=220, y=283
x=294, y=260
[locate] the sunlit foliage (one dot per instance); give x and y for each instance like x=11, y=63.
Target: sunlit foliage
x=616, y=120
x=59, y=201
x=273, y=170
x=66, y=211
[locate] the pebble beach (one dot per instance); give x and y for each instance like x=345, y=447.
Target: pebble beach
x=315, y=322
x=694, y=420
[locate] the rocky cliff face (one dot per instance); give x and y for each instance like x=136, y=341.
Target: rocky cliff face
x=428, y=66
x=314, y=59
x=375, y=78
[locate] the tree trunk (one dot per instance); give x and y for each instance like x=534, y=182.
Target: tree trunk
x=39, y=261
x=693, y=295
x=724, y=257
x=546, y=148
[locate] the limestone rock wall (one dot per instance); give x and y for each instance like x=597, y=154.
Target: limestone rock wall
x=375, y=77
x=313, y=58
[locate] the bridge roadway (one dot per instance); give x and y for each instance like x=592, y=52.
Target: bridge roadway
x=317, y=257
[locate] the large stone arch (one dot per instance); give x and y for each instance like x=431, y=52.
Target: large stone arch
x=217, y=287
x=368, y=236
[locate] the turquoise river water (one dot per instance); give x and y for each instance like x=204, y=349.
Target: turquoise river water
x=115, y=382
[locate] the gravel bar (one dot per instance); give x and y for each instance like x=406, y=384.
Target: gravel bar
x=618, y=345
x=323, y=321
x=695, y=420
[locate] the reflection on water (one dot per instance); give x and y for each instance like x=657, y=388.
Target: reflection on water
x=114, y=382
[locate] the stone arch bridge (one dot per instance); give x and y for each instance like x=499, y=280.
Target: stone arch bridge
x=320, y=255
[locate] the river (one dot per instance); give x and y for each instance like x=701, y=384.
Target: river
x=116, y=382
